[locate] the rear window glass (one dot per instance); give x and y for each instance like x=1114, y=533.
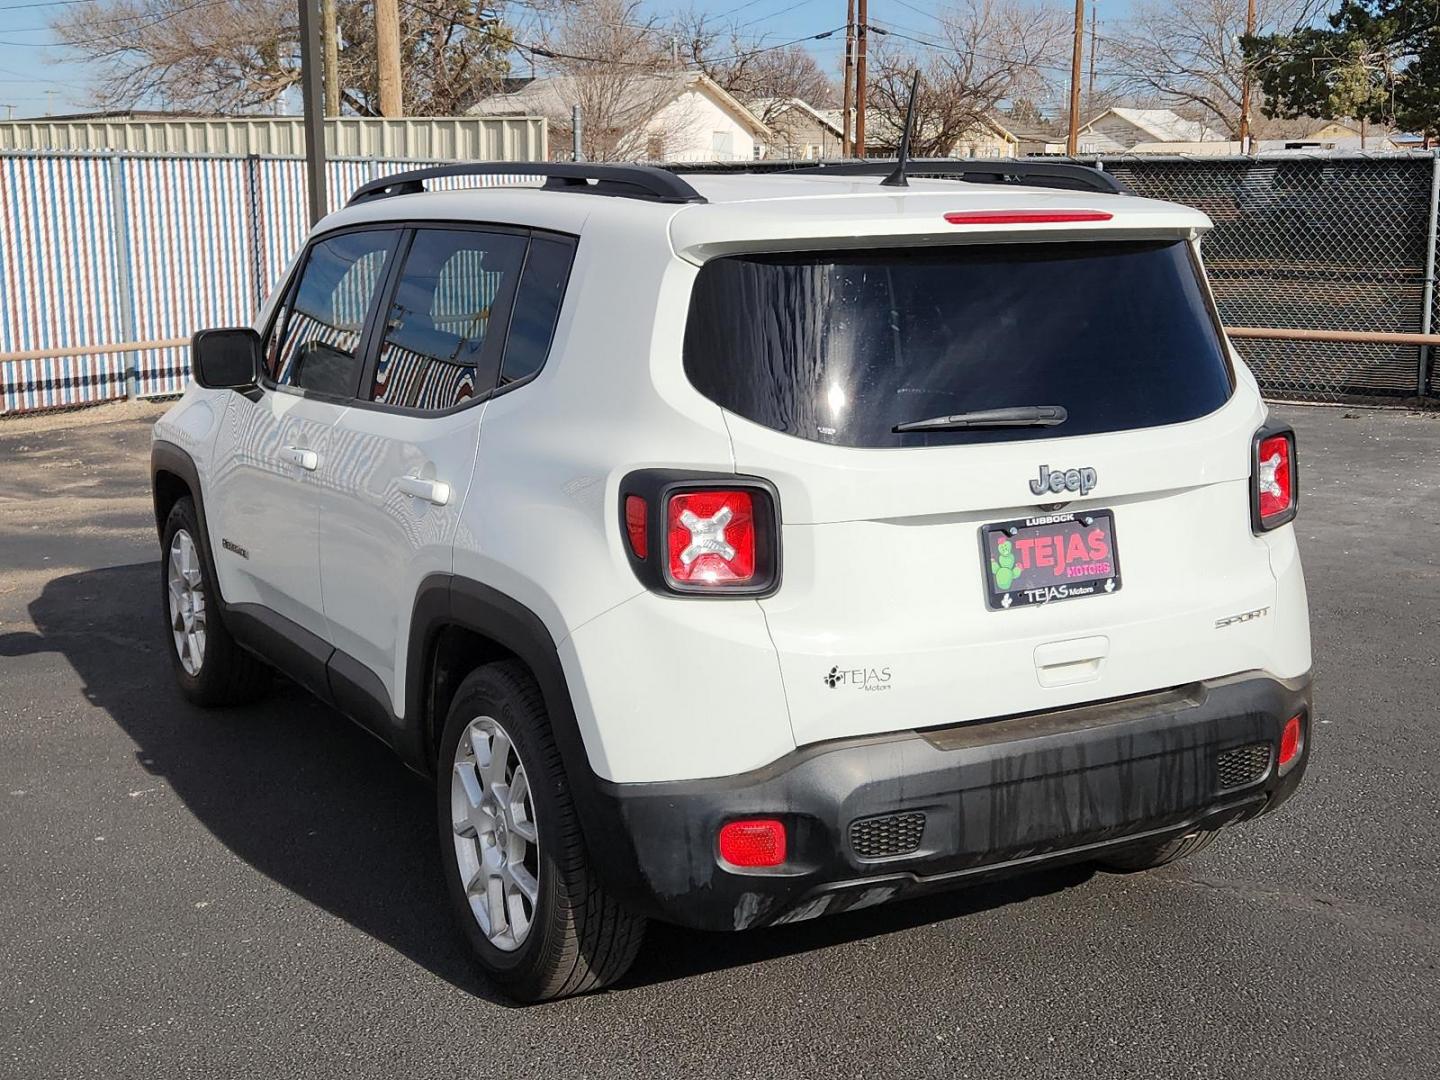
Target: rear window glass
x=840, y=347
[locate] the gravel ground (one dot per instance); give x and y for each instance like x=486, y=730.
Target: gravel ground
x=256, y=892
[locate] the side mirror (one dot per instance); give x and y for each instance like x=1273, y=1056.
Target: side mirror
x=226, y=359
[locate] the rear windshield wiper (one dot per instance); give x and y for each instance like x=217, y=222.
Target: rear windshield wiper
x=1016, y=416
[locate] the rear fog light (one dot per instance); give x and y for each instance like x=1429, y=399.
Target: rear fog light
x=1292, y=741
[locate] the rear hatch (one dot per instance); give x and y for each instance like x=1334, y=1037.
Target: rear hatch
x=1125, y=531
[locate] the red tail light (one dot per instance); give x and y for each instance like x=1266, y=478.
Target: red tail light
x=753, y=842
x=1291, y=742
x=1274, y=479
x=701, y=534
x=710, y=538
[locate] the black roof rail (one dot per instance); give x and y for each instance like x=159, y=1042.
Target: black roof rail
x=622, y=181
x=1052, y=174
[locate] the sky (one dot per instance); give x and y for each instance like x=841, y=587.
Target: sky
x=37, y=76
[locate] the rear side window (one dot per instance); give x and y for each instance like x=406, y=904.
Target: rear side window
x=437, y=351
x=537, y=306
x=840, y=347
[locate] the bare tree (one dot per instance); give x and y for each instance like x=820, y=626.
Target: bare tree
x=993, y=51
x=616, y=64
x=235, y=55
x=452, y=54
x=1187, y=53
x=760, y=76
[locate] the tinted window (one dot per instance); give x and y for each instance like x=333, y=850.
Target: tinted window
x=537, y=306
x=316, y=341
x=433, y=355
x=840, y=347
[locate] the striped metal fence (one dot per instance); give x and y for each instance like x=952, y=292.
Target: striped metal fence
x=104, y=255
x=1324, y=266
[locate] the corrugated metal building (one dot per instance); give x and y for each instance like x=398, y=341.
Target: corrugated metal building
x=431, y=138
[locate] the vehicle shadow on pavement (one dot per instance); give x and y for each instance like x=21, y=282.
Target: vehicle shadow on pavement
x=329, y=813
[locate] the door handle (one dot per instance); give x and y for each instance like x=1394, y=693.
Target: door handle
x=432, y=491
x=305, y=459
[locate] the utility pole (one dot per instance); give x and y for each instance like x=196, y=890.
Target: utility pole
x=1072, y=141
x=847, y=145
x=312, y=94
x=1094, y=37
x=330, y=36
x=1245, y=87
x=387, y=56
x=861, y=89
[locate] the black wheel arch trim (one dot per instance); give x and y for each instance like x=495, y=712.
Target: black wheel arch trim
x=444, y=601
x=167, y=457
x=441, y=601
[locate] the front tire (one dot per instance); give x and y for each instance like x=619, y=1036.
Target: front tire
x=519, y=879
x=210, y=668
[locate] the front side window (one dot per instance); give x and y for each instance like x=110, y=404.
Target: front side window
x=437, y=351
x=845, y=346
x=315, y=344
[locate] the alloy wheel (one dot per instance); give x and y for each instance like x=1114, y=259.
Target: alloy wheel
x=497, y=844
x=186, y=586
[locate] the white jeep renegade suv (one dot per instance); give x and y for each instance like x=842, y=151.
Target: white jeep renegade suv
x=734, y=549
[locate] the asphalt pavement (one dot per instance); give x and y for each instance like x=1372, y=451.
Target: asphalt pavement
x=256, y=892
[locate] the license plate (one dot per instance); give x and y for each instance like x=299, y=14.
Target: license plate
x=1049, y=558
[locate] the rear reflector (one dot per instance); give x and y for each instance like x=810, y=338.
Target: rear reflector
x=1290, y=743
x=1024, y=217
x=1274, y=479
x=754, y=842
x=710, y=538
x=636, y=527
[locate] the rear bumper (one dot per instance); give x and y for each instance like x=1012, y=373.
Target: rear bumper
x=978, y=799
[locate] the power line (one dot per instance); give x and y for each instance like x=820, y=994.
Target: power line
x=49, y=3
x=22, y=77
x=984, y=56
x=551, y=54
x=921, y=11
x=741, y=7
x=774, y=14
x=159, y=18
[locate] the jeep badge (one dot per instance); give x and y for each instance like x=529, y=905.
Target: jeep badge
x=1056, y=481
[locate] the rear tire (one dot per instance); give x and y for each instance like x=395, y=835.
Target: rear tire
x=1148, y=858
x=210, y=668
x=520, y=882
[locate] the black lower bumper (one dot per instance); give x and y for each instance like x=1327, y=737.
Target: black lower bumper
x=871, y=819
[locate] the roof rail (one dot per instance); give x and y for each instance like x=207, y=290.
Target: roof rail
x=622, y=181
x=1053, y=174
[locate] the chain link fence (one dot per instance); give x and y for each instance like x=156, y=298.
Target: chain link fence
x=1314, y=243
x=1303, y=242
